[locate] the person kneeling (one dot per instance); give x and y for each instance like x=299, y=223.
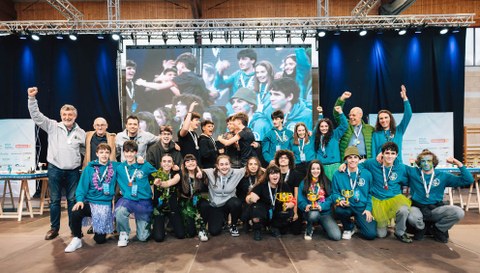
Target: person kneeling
x=94, y=195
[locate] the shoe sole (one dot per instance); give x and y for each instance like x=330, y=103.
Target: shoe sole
x=70, y=251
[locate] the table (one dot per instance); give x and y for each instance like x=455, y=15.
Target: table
x=24, y=193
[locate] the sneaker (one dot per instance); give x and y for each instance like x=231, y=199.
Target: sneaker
x=75, y=244
x=439, y=235
x=123, y=239
x=347, y=234
x=202, y=235
x=234, y=231
x=404, y=238
x=419, y=234
x=51, y=234
x=307, y=236
x=275, y=232
x=257, y=235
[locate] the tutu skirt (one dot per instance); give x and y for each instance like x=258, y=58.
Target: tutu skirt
x=142, y=208
x=384, y=210
x=101, y=220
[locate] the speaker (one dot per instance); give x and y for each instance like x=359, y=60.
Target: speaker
x=395, y=7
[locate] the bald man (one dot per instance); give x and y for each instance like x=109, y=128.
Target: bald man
x=93, y=138
x=359, y=133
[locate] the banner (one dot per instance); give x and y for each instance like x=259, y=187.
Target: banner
x=17, y=150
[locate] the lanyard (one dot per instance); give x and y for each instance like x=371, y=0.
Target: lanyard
x=385, y=178
x=130, y=91
x=194, y=138
x=190, y=183
x=302, y=147
x=357, y=134
x=272, y=196
x=103, y=175
x=427, y=189
x=242, y=80
x=285, y=179
x=322, y=145
x=130, y=178
x=282, y=138
x=353, y=183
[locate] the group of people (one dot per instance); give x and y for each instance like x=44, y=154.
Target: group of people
x=291, y=182
x=255, y=89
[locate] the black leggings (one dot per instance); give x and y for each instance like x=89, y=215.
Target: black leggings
x=190, y=226
x=77, y=217
x=173, y=214
x=217, y=216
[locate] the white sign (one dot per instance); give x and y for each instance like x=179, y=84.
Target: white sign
x=433, y=131
x=17, y=150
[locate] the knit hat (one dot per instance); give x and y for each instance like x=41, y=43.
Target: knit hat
x=351, y=150
x=245, y=94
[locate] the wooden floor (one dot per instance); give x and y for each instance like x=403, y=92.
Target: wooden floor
x=23, y=249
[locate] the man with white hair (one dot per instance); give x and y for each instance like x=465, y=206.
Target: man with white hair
x=66, y=140
x=359, y=133
x=93, y=138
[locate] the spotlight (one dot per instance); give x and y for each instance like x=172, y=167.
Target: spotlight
x=164, y=37
x=210, y=36
x=100, y=37
x=363, y=32
x=259, y=35
x=115, y=36
x=149, y=37
x=402, y=32
x=226, y=35
x=336, y=33
x=444, y=31
x=272, y=35
x=23, y=37
x=456, y=30
x=241, y=36
x=179, y=36
x=303, y=35
x=59, y=37
x=72, y=36
x=322, y=34
x=418, y=30
x=35, y=37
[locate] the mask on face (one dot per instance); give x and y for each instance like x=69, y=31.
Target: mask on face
x=426, y=163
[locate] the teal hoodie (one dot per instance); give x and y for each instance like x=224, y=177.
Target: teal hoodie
x=86, y=191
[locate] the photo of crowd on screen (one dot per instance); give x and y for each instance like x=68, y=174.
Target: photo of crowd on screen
x=160, y=83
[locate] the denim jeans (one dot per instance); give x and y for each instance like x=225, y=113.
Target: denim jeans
x=122, y=217
x=326, y=221
x=58, y=179
x=367, y=229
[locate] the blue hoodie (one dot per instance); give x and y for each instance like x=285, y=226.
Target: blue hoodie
x=440, y=181
x=273, y=138
x=362, y=197
x=298, y=113
x=332, y=150
x=141, y=179
x=396, y=178
x=303, y=201
x=86, y=191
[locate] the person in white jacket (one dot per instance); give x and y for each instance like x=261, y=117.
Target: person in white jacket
x=66, y=141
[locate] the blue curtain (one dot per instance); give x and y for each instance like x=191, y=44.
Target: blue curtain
x=432, y=67
x=82, y=73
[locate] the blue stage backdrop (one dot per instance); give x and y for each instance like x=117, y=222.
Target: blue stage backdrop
x=82, y=73
x=374, y=67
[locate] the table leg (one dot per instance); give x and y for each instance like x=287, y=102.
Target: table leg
x=20, y=201
x=29, y=199
x=43, y=193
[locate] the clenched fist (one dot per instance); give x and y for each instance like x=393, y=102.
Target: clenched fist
x=32, y=91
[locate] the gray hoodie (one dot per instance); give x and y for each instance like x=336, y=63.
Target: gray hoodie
x=223, y=188
x=63, y=148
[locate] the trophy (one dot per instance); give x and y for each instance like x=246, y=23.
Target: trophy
x=312, y=197
x=284, y=197
x=347, y=194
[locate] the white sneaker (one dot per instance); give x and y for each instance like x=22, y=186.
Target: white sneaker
x=308, y=236
x=75, y=244
x=202, y=235
x=347, y=234
x=234, y=231
x=123, y=239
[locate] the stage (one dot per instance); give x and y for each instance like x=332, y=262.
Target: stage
x=23, y=249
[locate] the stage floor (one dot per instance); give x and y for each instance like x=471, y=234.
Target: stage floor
x=23, y=249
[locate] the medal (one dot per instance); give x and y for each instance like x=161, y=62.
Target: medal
x=429, y=186
x=385, y=187
x=427, y=195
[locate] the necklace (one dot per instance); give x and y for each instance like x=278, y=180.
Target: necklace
x=96, y=176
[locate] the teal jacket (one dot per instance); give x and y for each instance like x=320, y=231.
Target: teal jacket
x=142, y=171
x=396, y=178
x=380, y=137
x=332, y=150
x=367, y=131
x=86, y=191
x=437, y=189
x=273, y=138
x=326, y=205
x=362, y=197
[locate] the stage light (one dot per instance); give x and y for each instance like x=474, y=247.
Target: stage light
x=272, y=35
x=322, y=33
x=402, y=32
x=259, y=35
x=23, y=37
x=210, y=36
x=241, y=36
x=303, y=36
x=35, y=37
x=164, y=37
x=336, y=33
x=363, y=32
x=115, y=36
x=100, y=37
x=418, y=30
x=179, y=36
x=456, y=30
x=149, y=37
x=444, y=31
x=73, y=36
x=226, y=35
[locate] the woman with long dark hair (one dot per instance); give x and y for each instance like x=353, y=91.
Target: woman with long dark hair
x=315, y=200
x=302, y=148
x=271, y=203
x=327, y=141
